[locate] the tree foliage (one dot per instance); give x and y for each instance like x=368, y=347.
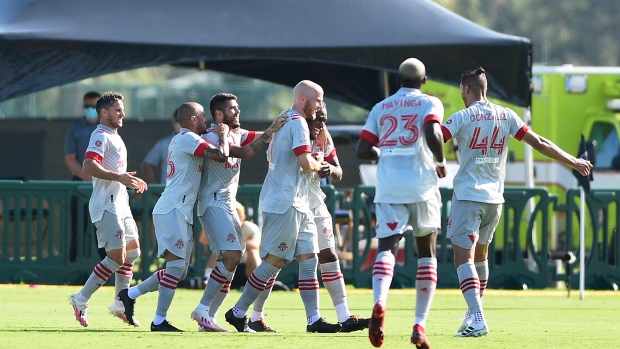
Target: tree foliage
x=578, y=32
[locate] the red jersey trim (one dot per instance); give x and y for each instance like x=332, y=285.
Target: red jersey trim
x=432, y=117
x=251, y=136
x=521, y=133
x=369, y=136
x=331, y=155
x=94, y=156
x=302, y=149
x=201, y=148
x=446, y=133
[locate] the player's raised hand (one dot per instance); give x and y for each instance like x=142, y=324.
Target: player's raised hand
x=582, y=166
x=279, y=122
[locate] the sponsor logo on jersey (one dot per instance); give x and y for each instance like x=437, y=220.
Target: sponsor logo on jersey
x=180, y=244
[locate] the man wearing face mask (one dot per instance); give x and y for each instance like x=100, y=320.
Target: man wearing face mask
x=76, y=142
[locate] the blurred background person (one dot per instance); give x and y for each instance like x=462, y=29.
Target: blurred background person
x=156, y=157
x=76, y=142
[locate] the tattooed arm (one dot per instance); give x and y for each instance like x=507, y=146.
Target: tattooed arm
x=221, y=153
x=249, y=150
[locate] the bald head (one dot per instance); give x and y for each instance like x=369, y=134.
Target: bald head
x=412, y=73
x=308, y=98
x=186, y=111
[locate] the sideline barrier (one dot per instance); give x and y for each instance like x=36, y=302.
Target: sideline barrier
x=35, y=223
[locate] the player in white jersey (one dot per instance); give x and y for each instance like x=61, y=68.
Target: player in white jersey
x=325, y=150
x=482, y=131
x=404, y=131
x=106, y=162
x=173, y=213
x=288, y=227
x=217, y=206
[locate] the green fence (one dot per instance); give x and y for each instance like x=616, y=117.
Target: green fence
x=42, y=241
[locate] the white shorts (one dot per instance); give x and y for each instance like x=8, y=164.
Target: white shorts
x=222, y=230
x=422, y=218
x=324, y=227
x=174, y=234
x=472, y=223
x=114, y=232
x=288, y=235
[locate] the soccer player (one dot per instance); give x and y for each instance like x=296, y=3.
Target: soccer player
x=325, y=151
x=404, y=131
x=288, y=226
x=217, y=206
x=481, y=131
x=106, y=161
x=173, y=216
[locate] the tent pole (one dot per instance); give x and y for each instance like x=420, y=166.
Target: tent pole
x=384, y=83
x=529, y=183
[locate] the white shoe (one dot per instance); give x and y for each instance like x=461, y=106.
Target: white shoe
x=119, y=312
x=204, y=321
x=79, y=309
x=475, y=329
x=216, y=327
x=466, y=322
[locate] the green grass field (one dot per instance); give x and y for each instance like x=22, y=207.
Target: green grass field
x=41, y=317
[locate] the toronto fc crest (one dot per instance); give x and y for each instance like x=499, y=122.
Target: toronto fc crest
x=179, y=244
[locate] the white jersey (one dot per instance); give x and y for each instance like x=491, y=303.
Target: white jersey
x=108, y=149
x=406, y=168
x=286, y=184
x=219, y=182
x=481, y=132
x=316, y=196
x=184, y=167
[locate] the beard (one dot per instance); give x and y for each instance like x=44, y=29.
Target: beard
x=309, y=111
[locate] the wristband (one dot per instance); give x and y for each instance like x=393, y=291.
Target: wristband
x=441, y=163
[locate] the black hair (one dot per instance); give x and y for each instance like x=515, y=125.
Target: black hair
x=476, y=79
x=107, y=100
x=218, y=102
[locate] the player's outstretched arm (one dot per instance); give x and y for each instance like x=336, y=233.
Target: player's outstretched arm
x=128, y=179
x=249, y=150
x=549, y=149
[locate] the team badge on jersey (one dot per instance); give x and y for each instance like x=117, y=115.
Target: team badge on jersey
x=282, y=246
x=119, y=234
x=231, y=237
x=392, y=225
x=179, y=244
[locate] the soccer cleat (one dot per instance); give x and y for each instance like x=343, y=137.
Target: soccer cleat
x=216, y=327
x=475, y=329
x=79, y=309
x=205, y=323
x=241, y=325
x=128, y=303
x=418, y=337
x=322, y=326
x=260, y=326
x=118, y=312
x=375, y=327
x=164, y=327
x=354, y=323
x=466, y=322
